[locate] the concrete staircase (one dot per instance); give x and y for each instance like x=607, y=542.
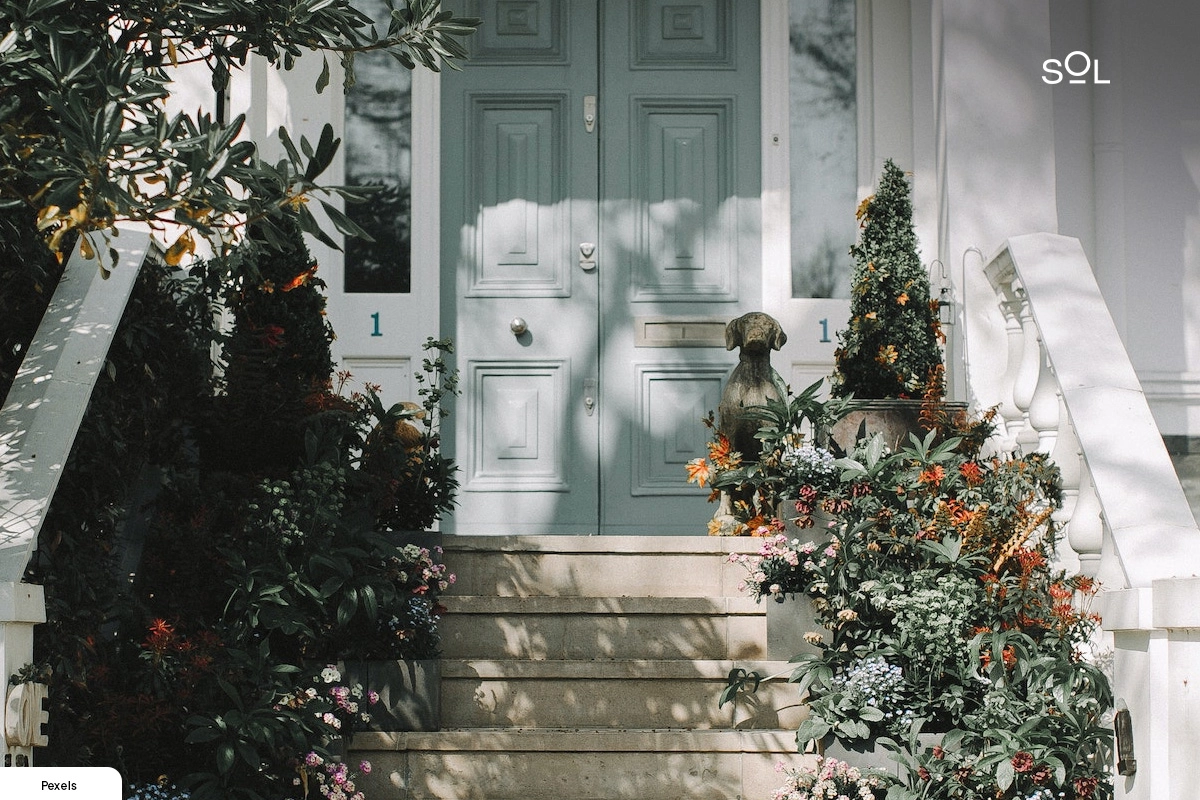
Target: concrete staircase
x=588, y=668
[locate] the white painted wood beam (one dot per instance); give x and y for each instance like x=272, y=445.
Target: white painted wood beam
x=46, y=403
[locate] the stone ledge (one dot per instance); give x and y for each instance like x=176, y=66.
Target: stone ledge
x=581, y=740
x=610, y=669
x=607, y=606
x=608, y=545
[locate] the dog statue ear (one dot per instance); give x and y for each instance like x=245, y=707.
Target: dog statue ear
x=779, y=340
x=733, y=334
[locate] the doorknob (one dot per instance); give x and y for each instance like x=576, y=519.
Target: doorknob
x=589, y=395
x=518, y=326
x=589, y=113
x=587, y=253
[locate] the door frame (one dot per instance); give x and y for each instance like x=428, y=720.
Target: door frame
x=896, y=102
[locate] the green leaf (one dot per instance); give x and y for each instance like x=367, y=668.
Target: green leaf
x=201, y=735
x=225, y=758
x=1005, y=774
x=347, y=606
x=871, y=714
x=812, y=729
x=344, y=224
x=323, y=78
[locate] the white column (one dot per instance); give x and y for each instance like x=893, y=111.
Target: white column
x=22, y=605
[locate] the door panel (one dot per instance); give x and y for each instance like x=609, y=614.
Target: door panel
x=518, y=198
x=681, y=242
x=583, y=423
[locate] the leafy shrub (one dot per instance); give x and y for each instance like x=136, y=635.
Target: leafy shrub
x=890, y=347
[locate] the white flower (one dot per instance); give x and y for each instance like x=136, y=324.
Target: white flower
x=330, y=674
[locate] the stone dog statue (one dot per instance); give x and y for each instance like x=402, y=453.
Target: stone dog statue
x=750, y=384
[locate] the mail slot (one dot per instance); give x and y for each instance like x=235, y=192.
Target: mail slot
x=674, y=332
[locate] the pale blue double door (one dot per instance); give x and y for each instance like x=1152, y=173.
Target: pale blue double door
x=600, y=210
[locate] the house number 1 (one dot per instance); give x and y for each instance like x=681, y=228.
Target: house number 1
x=375, y=329
x=824, y=330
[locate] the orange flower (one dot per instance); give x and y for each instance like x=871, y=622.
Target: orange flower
x=903, y=298
x=933, y=475
x=888, y=354
x=860, y=213
x=300, y=279
x=971, y=472
x=698, y=472
x=722, y=454
x=959, y=512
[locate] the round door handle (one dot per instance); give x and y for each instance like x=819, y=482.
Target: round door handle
x=518, y=326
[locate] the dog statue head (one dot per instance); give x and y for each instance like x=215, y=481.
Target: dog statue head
x=755, y=332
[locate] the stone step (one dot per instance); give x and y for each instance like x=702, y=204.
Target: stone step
x=596, y=566
x=603, y=627
x=574, y=764
x=671, y=694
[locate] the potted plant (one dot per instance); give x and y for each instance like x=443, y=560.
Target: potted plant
x=830, y=778
x=938, y=610
x=780, y=483
x=888, y=355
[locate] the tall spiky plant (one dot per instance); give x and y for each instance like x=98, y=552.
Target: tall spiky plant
x=890, y=348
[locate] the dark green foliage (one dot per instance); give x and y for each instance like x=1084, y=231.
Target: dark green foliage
x=85, y=141
x=189, y=597
x=28, y=273
x=277, y=355
x=383, y=264
x=890, y=348
x=134, y=435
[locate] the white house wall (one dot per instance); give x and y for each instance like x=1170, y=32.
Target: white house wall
x=1129, y=183
x=952, y=90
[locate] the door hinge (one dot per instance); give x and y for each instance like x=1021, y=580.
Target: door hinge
x=589, y=112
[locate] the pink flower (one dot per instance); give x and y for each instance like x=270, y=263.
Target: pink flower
x=365, y=767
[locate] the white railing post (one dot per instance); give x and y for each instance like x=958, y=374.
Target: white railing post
x=38, y=423
x=1126, y=517
x=1068, y=458
x=1010, y=413
x=1043, y=406
x=1086, y=531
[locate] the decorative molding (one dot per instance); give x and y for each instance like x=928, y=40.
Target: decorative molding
x=516, y=409
x=1165, y=386
x=669, y=34
x=517, y=196
x=519, y=32
x=670, y=400
x=682, y=164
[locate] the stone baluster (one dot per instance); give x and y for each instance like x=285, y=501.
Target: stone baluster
x=1010, y=415
x=1042, y=430
x=1028, y=370
x=1066, y=454
x=1086, y=531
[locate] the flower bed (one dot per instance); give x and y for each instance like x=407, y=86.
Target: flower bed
x=938, y=608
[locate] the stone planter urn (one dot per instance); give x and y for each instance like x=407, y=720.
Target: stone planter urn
x=894, y=419
x=788, y=619
x=410, y=697
x=868, y=754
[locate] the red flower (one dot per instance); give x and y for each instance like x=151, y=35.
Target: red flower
x=971, y=472
x=933, y=475
x=1022, y=761
x=1085, y=787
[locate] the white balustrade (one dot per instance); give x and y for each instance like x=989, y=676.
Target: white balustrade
x=1127, y=521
